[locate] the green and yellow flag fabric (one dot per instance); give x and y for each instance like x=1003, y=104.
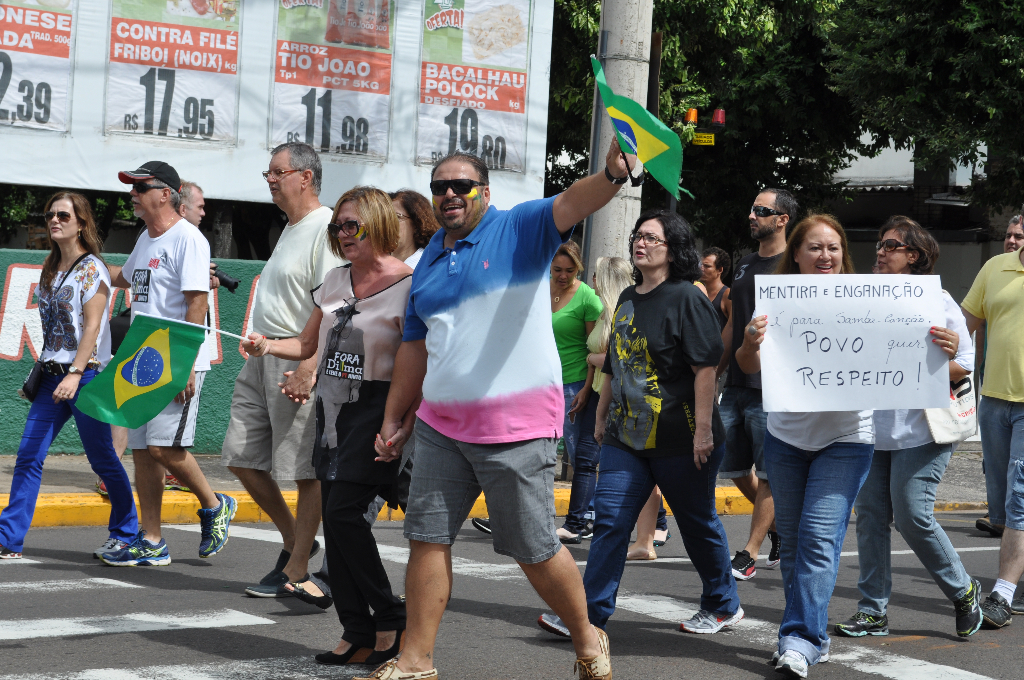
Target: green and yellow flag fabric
x=643, y=135
x=152, y=365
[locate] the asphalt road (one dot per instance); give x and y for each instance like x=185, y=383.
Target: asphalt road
x=65, y=615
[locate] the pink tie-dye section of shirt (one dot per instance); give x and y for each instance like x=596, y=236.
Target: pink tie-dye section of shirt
x=532, y=414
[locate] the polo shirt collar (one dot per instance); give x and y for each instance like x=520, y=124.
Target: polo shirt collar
x=1013, y=265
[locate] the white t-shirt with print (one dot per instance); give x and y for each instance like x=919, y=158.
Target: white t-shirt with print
x=161, y=269
x=63, y=319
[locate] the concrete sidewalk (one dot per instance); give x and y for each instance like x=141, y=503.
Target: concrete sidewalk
x=68, y=496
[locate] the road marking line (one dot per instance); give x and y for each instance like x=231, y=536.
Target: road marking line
x=20, y=560
x=54, y=586
x=125, y=623
x=290, y=668
x=268, y=535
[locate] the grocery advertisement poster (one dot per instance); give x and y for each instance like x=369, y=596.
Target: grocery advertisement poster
x=173, y=69
x=473, y=69
x=332, y=76
x=35, y=63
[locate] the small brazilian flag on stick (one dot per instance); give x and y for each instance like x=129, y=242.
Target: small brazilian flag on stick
x=151, y=366
x=643, y=135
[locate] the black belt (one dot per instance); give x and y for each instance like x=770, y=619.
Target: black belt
x=53, y=368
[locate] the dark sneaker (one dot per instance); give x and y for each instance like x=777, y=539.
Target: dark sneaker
x=774, y=555
x=8, y=554
x=483, y=525
x=140, y=553
x=282, y=562
x=273, y=588
x=214, y=524
x=996, y=611
x=743, y=566
x=861, y=624
x=968, y=610
x=588, y=531
x=552, y=624
x=983, y=524
x=1017, y=606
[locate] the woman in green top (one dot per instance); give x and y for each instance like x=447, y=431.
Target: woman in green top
x=575, y=308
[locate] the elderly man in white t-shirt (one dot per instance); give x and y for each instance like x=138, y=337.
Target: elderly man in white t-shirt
x=273, y=418
x=168, y=273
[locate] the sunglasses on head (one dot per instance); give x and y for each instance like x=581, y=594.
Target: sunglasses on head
x=62, y=215
x=440, y=187
x=349, y=228
x=762, y=211
x=890, y=244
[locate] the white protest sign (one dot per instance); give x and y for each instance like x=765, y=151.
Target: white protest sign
x=847, y=342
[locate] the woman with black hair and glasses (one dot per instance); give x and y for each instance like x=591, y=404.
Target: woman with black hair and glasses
x=658, y=423
x=357, y=325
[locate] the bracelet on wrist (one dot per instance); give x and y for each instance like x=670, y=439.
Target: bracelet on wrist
x=612, y=178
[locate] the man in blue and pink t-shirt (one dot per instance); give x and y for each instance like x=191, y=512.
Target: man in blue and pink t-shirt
x=478, y=343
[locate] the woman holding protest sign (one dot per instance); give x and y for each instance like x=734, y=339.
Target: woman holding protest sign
x=908, y=465
x=817, y=463
x=74, y=288
x=357, y=325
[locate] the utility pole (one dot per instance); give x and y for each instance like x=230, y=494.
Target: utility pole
x=624, y=51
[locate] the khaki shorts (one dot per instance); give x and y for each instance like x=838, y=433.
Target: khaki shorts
x=267, y=430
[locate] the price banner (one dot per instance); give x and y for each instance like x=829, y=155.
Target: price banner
x=35, y=63
x=332, y=76
x=173, y=69
x=473, y=81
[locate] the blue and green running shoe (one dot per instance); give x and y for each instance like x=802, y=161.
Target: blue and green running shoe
x=214, y=524
x=139, y=553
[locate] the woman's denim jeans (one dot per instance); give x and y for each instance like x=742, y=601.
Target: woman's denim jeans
x=814, y=493
x=583, y=456
x=901, y=486
x=625, y=484
x=1002, y=439
x=45, y=420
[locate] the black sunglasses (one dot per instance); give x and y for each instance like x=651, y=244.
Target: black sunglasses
x=890, y=244
x=141, y=188
x=762, y=211
x=349, y=228
x=61, y=215
x=440, y=187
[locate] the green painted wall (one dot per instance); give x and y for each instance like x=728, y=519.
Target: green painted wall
x=20, y=269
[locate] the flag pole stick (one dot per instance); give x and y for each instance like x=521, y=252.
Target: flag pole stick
x=188, y=323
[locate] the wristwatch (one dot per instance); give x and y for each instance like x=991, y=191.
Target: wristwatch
x=74, y=369
x=613, y=179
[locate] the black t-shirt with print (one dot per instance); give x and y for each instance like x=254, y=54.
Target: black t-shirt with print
x=656, y=337
x=743, y=297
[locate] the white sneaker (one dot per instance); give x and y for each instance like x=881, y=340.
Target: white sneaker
x=792, y=664
x=707, y=622
x=110, y=545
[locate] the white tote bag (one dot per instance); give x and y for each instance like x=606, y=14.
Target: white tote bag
x=960, y=420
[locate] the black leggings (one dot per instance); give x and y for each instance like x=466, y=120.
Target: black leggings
x=357, y=576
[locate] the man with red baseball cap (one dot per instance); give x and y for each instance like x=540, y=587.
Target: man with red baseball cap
x=169, y=276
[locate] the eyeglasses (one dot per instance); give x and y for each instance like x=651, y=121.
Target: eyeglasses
x=440, y=187
x=763, y=211
x=277, y=174
x=890, y=244
x=349, y=228
x=61, y=215
x=648, y=239
x=141, y=188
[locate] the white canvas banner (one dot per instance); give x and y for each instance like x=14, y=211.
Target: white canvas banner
x=848, y=342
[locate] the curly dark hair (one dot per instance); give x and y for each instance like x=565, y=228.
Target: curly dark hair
x=684, y=264
x=722, y=259
x=421, y=213
x=917, y=239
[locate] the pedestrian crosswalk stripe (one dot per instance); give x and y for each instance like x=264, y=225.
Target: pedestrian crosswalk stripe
x=125, y=623
x=20, y=560
x=73, y=584
x=281, y=668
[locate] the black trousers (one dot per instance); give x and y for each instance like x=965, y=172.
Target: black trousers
x=358, y=580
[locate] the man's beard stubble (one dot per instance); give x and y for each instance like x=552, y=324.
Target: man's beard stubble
x=759, y=233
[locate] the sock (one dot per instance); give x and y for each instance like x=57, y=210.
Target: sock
x=1005, y=588
x=151, y=542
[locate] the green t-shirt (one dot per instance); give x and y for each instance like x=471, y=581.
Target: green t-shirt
x=570, y=328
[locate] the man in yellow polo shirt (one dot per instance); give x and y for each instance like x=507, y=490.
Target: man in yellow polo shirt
x=997, y=298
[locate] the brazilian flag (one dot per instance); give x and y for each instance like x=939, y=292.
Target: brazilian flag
x=643, y=135
x=151, y=366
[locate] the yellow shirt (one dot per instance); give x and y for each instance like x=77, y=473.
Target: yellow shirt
x=997, y=296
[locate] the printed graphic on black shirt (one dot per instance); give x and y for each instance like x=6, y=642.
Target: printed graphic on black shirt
x=341, y=371
x=140, y=285
x=636, y=387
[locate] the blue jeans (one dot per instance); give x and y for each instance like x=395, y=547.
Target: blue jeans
x=583, y=456
x=814, y=493
x=1002, y=441
x=45, y=420
x=901, y=486
x=625, y=484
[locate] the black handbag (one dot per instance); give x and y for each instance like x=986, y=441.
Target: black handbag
x=120, y=324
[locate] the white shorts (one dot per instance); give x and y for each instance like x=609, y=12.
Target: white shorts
x=174, y=426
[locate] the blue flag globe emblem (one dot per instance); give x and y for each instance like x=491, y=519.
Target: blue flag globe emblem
x=143, y=369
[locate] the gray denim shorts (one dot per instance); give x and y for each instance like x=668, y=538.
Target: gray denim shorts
x=517, y=478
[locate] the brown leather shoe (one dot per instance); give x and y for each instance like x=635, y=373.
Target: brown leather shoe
x=598, y=667
x=389, y=671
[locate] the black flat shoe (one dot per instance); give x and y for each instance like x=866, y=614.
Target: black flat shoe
x=354, y=655
x=273, y=588
x=377, y=658
x=322, y=601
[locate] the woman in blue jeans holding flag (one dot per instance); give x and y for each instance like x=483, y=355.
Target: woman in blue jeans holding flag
x=817, y=463
x=74, y=288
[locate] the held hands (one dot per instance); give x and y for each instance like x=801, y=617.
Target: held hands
x=256, y=345
x=297, y=385
x=753, y=333
x=189, y=391
x=67, y=388
x=390, y=442
x=616, y=165
x=947, y=340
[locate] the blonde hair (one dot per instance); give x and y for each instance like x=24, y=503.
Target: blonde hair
x=377, y=214
x=788, y=265
x=613, y=275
